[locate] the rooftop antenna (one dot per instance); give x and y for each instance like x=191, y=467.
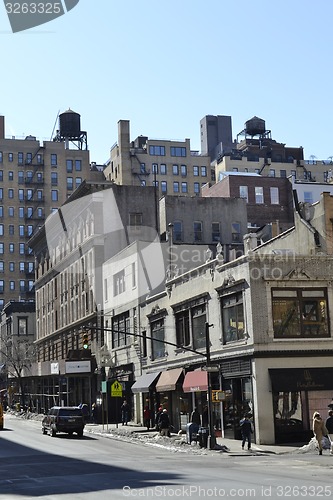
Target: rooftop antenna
x=54, y=126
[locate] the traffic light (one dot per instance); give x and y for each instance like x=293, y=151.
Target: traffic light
x=214, y=396
x=85, y=341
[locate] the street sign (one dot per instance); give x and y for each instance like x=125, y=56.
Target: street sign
x=212, y=368
x=103, y=386
x=116, y=389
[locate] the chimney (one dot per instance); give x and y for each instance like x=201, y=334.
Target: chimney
x=2, y=127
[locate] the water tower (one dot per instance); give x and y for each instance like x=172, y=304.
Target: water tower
x=70, y=130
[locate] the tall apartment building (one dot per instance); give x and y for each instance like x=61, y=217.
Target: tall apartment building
x=168, y=165
x=215, y=135
x=36, y=178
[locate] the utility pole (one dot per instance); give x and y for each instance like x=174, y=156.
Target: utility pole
x=211, y=435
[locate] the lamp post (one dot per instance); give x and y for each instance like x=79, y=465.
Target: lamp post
x=211, y=435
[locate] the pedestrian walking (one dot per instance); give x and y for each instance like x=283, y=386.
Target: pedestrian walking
x=329, y=427
x=157, y=418
x=246, y=430
x=319, y=430
x=124, y=412
x=164, y=423
x=94, y=413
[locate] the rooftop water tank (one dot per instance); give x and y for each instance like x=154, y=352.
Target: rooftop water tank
x=70, y=124
x=255, y=126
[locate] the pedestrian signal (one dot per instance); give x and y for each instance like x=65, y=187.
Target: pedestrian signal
x=218, y=396
x=85, y=341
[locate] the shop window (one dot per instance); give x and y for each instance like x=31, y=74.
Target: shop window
x=299, y=313
x=233, y=318
x=191, y=326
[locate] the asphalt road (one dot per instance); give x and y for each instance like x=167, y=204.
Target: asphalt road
x=95, y=467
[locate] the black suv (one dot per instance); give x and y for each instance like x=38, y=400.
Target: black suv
x=67, y=419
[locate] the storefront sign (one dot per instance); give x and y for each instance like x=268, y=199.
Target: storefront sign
x=301, y=379
x=78, y=366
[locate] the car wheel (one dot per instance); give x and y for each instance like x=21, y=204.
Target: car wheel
x=80, y=433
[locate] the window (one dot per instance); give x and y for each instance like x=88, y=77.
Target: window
x=78, y=181
x=29, y=212
x=22, y=267
x=184, y=187
x=54, y=195
x=216, y=235
x=203, y=171
x=2, y=266
x=176, y=187
x=196, y=187
x=20, y=158
x=177, y=231
x=69, y=183
x=143, y=168
x=164, y=187
x=12, y=267
x=1, y=157
x=175, y=169
x=283, y=173
x=178, y=151
x=157, y=150
x=163, y=169
x=2, y=286
x=69, y=166
x=293, y=173
x=155, y=168
x=54, y=178
x=40, y=177
x=10, y=175
x=233, y=318
x=120, y=325
x=196, y=171
x=274, y=195
x=2, y=248
x=155, y=184
x=40, y=213
x=157, y=344
x=244, y=193
x=135, y=219
x=22, y=248
x=10, y=157
x=259, y=195
x=21, y=212
x=235, y=232
x=191, y=325
x=308, y=198
x=300, y=312
x=39, y=159
x=29, y=230
x=1, y=230
x=10, y=193
x=235, y=169
x=20, y=176
x=78, y=165
x=11, y=248
x=22, y=285
x=12, y=285
x=11, y=229
x=22, y=326
x=30, y=194
x=21, y=194
x=1, y=193
x=28, y=158
x=54, y=161
x=1, y=210
x=271, y=172
x=183, y=170
x=119, y=283
x=197, y=230
x=39, y=194
x=11, y=211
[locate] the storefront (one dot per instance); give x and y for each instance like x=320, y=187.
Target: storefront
x=169, y=390
x=297, y=394
x=145, y=386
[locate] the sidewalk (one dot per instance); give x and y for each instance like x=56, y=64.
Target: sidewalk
x=234, y=447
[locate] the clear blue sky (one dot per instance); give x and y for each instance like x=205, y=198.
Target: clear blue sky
x=165, y=64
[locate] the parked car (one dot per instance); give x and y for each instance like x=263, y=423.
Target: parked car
x=66, y=419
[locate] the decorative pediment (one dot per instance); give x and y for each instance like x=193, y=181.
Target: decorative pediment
x=297, y=274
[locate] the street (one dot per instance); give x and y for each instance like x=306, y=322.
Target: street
x=97, y=467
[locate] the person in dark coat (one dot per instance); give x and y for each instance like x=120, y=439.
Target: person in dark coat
x=146, y=417
x=246, y=430
x=164, y=423
x=195, y=417
x=157, y=418
x=124, y=413
x=329, y=427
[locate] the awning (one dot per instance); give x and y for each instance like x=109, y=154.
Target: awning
x=168, y=380
x=144, y=382
x=195, y=381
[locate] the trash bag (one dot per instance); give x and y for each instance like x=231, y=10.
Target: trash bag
x=326, y=443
